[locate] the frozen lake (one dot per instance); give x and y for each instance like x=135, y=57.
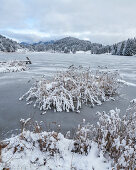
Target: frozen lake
x=14, y=85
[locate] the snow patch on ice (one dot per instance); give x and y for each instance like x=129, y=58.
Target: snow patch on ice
x=12, y=66
x=127, y=83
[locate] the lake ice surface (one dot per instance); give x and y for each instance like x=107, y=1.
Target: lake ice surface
x=14, y=85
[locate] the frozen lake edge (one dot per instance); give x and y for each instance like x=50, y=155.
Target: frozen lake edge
x=13, y=85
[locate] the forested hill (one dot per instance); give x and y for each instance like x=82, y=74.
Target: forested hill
x=127, y=48
x=66, y=45
x=8, y=45
x=70, y=44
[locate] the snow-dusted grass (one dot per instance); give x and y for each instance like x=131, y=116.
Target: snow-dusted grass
x=109, y=145
x=72, y=88
x=12, y=66
x=115, y=136
x=48, y=150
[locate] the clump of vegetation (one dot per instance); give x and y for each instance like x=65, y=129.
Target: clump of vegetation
x=82, y=139
x=72, y=88
x=30, y=141
x=13, y=66
x=115, y=136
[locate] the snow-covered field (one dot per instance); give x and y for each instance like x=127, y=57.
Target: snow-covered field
x=14, y=85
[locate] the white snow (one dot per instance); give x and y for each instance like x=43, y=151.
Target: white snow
x=23, y=152
x=83, y=52
x=127, y=83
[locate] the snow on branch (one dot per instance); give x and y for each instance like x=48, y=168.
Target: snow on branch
x=72, y=88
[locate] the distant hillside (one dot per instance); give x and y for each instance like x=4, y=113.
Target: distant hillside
x=66, y=45
x=8, y=45
x=70, y=44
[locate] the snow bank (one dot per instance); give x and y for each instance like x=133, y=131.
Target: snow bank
x=72, y=88
x=83, y=52
x=12, y=66
x=48, y=150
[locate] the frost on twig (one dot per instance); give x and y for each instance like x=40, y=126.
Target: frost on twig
x=72, y=88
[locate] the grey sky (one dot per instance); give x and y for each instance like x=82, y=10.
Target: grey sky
x=104, y=21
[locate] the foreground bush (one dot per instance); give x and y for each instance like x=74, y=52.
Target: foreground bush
x=72, y=88
x=113, y=138
x=117, y=137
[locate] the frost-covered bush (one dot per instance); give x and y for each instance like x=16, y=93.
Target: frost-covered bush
x=115, y=136
x=12, y=66
x=72, y=88
x=43, y=146
x=82, y=139
x=47, y=150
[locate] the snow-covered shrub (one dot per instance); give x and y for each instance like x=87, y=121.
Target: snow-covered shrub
x=72, y=88
x=13, y=66
x=2, y=146
x=82, y=139
x=117, y=138
x=27, y=142
x=47, y=150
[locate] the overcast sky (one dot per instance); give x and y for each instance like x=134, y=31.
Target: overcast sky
x=103, y=21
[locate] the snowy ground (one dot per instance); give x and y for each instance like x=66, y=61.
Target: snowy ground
x=28, y=155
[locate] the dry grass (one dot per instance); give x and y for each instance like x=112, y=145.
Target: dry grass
x=115, y=136
x=72, y=88
x=2, y=146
